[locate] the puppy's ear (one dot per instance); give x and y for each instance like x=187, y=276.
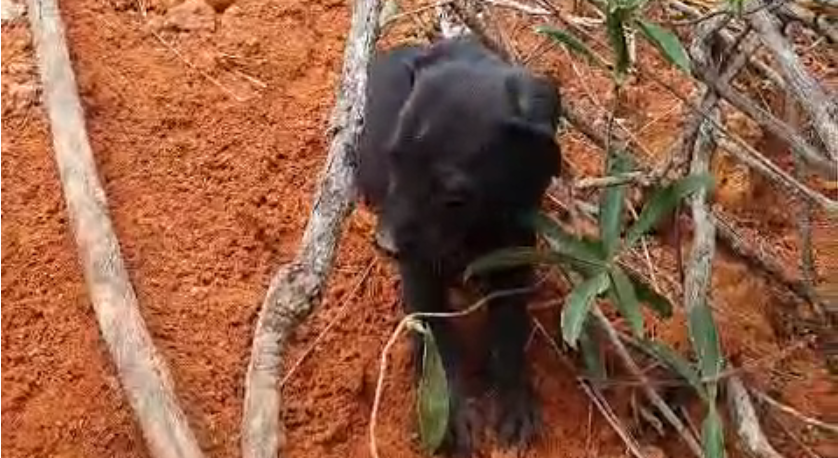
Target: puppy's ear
x=533, y=98
x=534, y=147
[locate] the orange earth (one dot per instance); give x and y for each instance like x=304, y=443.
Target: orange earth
x=209, y=143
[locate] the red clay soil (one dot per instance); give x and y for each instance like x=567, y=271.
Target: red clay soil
x=209, y=143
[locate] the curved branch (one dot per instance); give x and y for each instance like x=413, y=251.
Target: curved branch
x=294, y=289
x=142, y=371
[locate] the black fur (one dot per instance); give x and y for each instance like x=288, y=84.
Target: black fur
x=457, y=147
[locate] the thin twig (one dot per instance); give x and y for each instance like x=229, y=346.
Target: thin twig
x=803, y=215
x=746, y=153
x=417, y=10
x=343, y=308
x=721, y=12
x=517, y=6
x=770, y=359
x=765, y=119
x=755, y=255
x=194, y=67
x=806, y=449
x=647, y=387
x=829, y=427
x=640, y=178
x=759, y=66
x=594, y=395
x=759, y=256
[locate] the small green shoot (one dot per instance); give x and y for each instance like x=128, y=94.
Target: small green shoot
x=571, y=42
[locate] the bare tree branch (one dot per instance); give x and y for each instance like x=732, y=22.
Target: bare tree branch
x=820, y=164
x=774, y=173
x=294, y=289
x=759, y=66
x=746, y=421
x=829, y=427
x=806, y=90
x=142, y=371
x=816, y=22
x=803, y=214
x=698, y=271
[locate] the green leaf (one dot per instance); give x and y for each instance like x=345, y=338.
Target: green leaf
x=433, y=403
x=663, y=201
x=591, y=353
x=654, y=300
x=611, y=206
x=569, y=41
x=513, y=257
x=578, y=304
x=667, y=43
x=705, y=341
x=712, y=434
x=677, y=364
x=615, y=24
x=625, y=300
x=586, y=255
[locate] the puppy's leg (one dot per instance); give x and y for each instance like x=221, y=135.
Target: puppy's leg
x=518, y=413
x=425, y=290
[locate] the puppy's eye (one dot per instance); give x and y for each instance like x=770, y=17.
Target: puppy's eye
x=455, y=200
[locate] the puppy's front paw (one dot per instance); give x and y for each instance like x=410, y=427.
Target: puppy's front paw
x=462, y=423
x=518, y=419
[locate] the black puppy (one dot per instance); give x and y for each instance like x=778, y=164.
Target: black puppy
x=457, y=148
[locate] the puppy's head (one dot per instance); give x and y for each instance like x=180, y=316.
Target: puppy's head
x=474, y=145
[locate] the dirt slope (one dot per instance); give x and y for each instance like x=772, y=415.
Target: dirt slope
x=209, y=146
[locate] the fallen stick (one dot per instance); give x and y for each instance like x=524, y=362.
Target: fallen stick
x=801, y=84
x=295, y=288
x=747, y=422
x=817, y=22
x=699, y=269
x=142, y=371
x=814, y=422
x=823, y=166
x=754, y=63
